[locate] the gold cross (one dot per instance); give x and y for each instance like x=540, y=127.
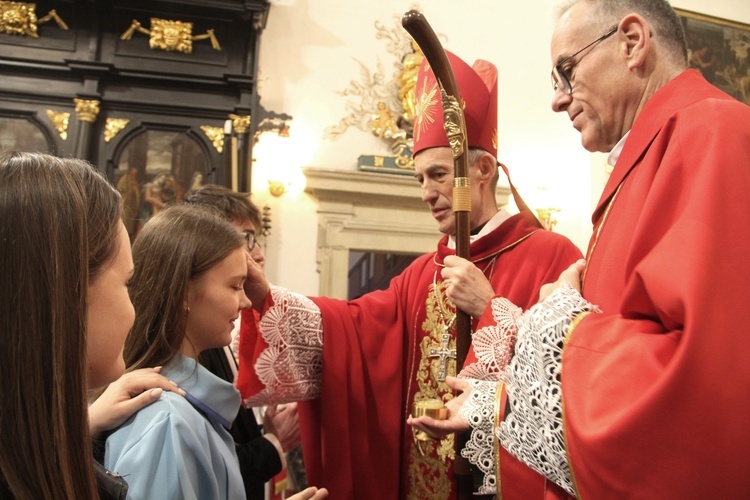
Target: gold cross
x=443, y=353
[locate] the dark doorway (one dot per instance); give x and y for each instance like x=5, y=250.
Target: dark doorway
x=370, y=271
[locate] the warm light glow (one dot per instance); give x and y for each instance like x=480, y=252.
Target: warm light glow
x=276, y=188
x=547, y=217
x=546, y=203
x=277, y=165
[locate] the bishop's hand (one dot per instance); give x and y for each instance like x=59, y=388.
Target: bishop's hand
x=256, y=285
x=437, y=429
x=466, y=285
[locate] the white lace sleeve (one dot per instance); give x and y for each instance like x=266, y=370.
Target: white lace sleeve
x=291, y=366
x=479, y=410
x=533, y=428
x=493, y=344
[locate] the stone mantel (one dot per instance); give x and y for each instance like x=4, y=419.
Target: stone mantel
x=367, y=211
x=371, y=188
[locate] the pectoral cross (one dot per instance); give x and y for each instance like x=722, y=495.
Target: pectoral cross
x=443, y=353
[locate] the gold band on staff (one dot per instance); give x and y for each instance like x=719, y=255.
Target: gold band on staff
x=461, y=194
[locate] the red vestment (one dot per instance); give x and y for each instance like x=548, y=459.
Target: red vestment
x=355, y=439
x=655, y=389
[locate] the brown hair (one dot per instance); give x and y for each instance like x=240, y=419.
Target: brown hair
x=176, y=245
x=232, y=206
x=58, y=224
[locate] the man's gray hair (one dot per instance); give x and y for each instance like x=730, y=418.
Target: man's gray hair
x=666, y=23
x=475, y=154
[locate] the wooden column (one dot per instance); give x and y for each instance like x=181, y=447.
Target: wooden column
x=87, y=110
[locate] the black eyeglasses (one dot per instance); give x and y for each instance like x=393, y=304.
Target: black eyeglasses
x=249, y=240
x=562, y=76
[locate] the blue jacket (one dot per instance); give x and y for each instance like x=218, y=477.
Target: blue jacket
x=171, y=449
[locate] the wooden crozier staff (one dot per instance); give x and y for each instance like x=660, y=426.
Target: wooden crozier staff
x=455, y=128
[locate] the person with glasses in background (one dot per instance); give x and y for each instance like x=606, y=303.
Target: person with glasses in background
x=261, y=450
x=630, y=377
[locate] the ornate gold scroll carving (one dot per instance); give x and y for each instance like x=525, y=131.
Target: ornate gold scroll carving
x=87, y=109
x=172, y=36
x=19, y=18
x=113, y=126
x=60, y=120
x=215, y=135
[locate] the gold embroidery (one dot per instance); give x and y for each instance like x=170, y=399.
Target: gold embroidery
x=496, y=441
x=430, y=471
x=426, y=109
x=430, y=479
x=443, y=350
x=434, y=326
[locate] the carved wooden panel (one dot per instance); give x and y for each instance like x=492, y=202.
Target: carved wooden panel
x=104, y=89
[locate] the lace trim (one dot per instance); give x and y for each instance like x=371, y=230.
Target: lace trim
x=533, y=428
x=290, y=367
x=479, y=411
x=493, y=344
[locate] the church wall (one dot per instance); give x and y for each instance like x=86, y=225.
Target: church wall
x=312, y=50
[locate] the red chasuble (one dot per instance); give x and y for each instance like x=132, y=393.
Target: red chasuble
x=376, y=364
x=656, y=389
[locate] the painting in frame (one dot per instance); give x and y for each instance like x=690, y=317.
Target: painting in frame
x=155, y=169
x=720, y=50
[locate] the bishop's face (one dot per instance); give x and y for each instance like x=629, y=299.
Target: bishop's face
x=433, y=169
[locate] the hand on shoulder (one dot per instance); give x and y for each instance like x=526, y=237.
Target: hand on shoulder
x=125, y=396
